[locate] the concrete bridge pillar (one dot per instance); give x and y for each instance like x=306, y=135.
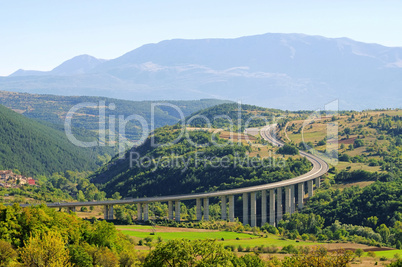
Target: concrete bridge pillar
x=198, y=209
x=223, y=208
x=245, y=208
x=287, y=199
x=279, y=212
x=263, y=207
x=139, y=211
x=71, y=209
x=292, y=199
x=170, y=210
x=253, y=203
x=177, y=210
x=108, y=214
x=272, y=207
x=105, y=213
x=317, y=182
x=206, y=209
x=300, y=195
x=310, y=188
x=146, y=212
x=231, y=208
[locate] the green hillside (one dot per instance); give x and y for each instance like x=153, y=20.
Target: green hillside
x=192, y=164
x=33, y=148
x=229, y=114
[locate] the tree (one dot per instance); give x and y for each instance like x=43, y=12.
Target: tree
x=7, y=253
x=384, y=231
x=288, y=149
x=182, y=252
x=148, y=241
x=359, y=252
x=372, y=221
x=79, y=256
x=318, y=257
x=105, y=257
x=358, y=143
x=397, y=263
x=48, y=249
x=248, y=260
x=116, y=195
x=81, y=196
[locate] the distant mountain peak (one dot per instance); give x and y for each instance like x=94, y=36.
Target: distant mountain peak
x=77, y=65
x=22, y=72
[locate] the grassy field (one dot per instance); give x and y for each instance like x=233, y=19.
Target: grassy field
x=231, y=238
x=248, y=240
x=189, y=235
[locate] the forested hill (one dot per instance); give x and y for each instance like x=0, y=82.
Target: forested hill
x=228, y=115
x=52, y=109
x=192, y=164
x=34, y=149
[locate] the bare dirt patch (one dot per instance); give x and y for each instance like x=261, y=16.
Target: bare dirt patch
x=347, y=141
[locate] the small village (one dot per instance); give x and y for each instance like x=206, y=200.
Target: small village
x=9, y=179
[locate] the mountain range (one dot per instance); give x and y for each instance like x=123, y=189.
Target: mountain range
x=285, y=71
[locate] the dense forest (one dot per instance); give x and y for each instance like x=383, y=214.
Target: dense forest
x=35, y=149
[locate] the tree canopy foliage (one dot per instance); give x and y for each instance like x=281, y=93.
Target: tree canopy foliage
x=37, y=149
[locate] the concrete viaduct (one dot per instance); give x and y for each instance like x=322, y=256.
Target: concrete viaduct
x=272, y=204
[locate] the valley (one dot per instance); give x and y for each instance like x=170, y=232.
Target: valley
x=365, y=142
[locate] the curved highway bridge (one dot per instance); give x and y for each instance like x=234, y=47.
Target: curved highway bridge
x=272, y=196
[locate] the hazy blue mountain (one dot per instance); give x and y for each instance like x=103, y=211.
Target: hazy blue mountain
x=287, y=71
x=77, y=65
x=22, y=72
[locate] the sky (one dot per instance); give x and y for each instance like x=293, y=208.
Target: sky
x=39, y=35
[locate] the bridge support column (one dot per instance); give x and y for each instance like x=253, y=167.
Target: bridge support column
x=105, y=213
x=139, y=212
x=287, y=199
x=146, y=212
x=253, y=203
x=317, y=182
x=71, y=209
x=310, y=188
x=198, y=209
x=231, y=208
x=263, y=207
x=108, y=215
x=170, y=210
x=300, y=195
x=245, y=208
x=279, y=212
x=272, y=207
x=223, y=208
x=206, y=209
x=292, y=199
x=177, y=210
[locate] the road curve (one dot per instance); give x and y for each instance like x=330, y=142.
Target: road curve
x=320, y=167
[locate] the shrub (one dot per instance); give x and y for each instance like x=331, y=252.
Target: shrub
x=7, y=253
x=359, y=252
